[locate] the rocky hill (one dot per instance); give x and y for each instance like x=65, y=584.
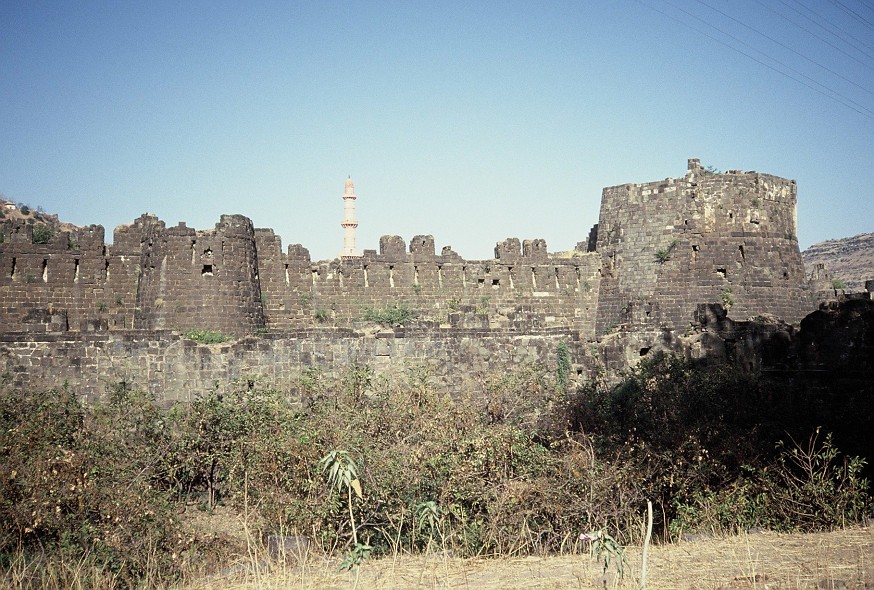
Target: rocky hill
x=850, y=260
x=11, y=212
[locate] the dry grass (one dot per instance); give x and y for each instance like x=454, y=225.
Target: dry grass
x=836, y=560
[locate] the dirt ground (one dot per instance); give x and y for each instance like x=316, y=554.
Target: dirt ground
x=836, y=560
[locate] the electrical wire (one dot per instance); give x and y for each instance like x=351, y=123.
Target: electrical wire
x=853, y=14
x=813, y=34
x=861, y=44
x=783, y=45
x=827, y=92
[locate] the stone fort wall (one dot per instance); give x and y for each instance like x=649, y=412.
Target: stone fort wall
x=174, y=368
x=727, y=238
x=658, y=251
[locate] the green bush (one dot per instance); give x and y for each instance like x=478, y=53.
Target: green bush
x=701, y=438
x=76, y=482
x=662, y=255
x=42, y=233
x=809, y=487
x=245, y=443
x=393, y=315
x=517, y=465
x=207, y=336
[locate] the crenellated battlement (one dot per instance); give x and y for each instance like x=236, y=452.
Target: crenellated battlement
x=659, y=249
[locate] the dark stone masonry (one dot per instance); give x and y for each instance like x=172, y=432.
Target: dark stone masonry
x=81, y=311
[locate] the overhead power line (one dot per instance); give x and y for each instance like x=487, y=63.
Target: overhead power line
x=859, y=46
x=853, y=14
x=813, y=34
x=823, y=90
x=783, y=45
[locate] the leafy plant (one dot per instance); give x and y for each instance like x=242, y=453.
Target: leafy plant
x=662, y=255
x=808, y=487
x=838, y=285
x=814, y=487
x=42, y=233
x=341, y=472
x=207, y=336
x=562, y=365
x=607, y=550
x=727, y=298
x=427, y=515
x=393, y=315
x=356, y=556
x=321, y=315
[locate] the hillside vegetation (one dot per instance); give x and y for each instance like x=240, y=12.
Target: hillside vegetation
x=849, y=260
x=125, y=493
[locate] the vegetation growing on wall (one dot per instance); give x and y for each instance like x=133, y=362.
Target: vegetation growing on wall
x=392, y=315
x=207, y=336
x=662, y=255
x=42, y=233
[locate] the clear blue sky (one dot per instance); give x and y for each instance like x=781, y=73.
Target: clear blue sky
x=471, y=121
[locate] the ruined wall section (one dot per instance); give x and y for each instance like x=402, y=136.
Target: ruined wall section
x=174, y=368
x=70, y=283
x=522, y=288
x=194, y=280
x=727, y=238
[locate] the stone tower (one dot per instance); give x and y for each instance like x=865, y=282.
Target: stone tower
x=708, y=237
x=349, y=224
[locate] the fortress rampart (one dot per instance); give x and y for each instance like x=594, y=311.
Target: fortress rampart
x=658, y=252
x=708, y=237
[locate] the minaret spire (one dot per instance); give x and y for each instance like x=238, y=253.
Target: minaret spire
x=349, y=223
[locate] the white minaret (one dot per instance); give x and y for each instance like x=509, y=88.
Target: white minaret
x=349, y=224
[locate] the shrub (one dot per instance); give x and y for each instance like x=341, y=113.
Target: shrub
x=393, y=315
x=701, y=439
x=662, y=255
x=514, y=466
x=562, y=365
x=42, y=233
x=809, y=487
x=727, y=297
x=207, y=336
x=78, y=482
x=244, y=445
